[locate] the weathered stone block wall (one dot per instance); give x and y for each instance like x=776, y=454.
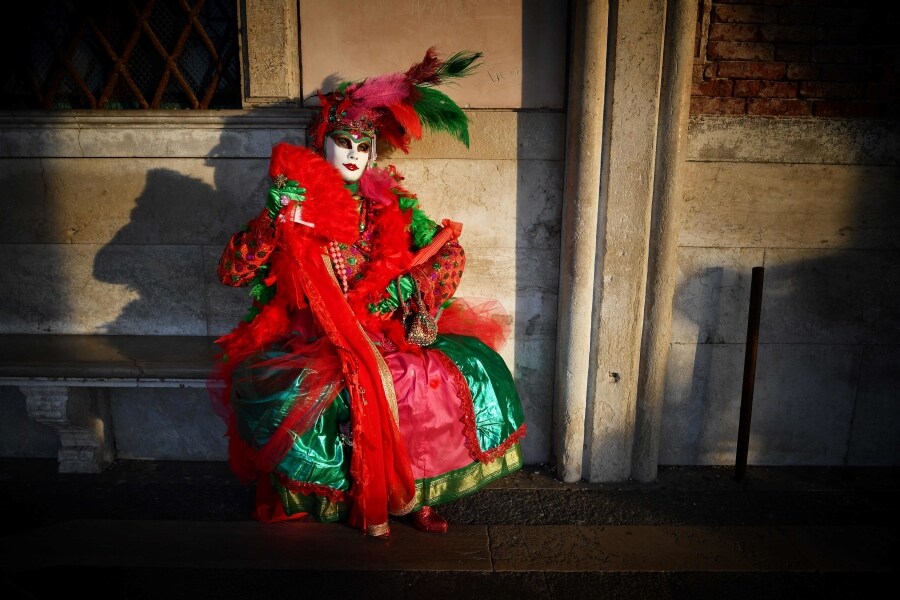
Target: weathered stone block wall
x=814, y=202
x=115, y=226
x=822, y=58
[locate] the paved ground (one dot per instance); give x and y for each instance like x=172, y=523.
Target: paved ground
x=178, y=529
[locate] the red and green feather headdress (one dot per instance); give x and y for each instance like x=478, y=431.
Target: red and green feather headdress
x=397, y=106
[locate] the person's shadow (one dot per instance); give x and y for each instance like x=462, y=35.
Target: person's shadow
x=166, y=257
x=167, y=253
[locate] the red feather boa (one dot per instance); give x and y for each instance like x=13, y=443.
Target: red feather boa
x=380, y=469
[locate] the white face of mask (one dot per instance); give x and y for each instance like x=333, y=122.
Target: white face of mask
x=348, y=152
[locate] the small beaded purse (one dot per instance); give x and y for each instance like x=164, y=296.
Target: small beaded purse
x=421, y=328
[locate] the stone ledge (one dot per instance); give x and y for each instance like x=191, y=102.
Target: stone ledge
x=105, y=359
x=66, y=381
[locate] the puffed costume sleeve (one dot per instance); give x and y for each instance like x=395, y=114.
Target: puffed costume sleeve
x=247, y=251
x=438, y=278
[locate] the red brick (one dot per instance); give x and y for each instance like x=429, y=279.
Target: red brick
x=742, y=13
x=717, y=106
x=883, y=55
x=830, y=90
x=800, y=2
x=795, y=34
x=751, y=70
x=697, y=76
x=792, y=53
x=818, y=3
x=883, y=92
x=778, y=107
x=710, y=71
x=752, y=88
x=802, y=71
x=827, y=15
x=831, y=108
x=880, y=30
x=734, y=32
x=739, y=1
x=837, y=54
x=847, y=34
x=740, y=51
x=796, y=15
x=849, y=72
x=713, y=87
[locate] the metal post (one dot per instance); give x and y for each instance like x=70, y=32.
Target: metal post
x=743, y=441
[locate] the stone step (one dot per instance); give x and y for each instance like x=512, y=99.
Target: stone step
x=32, y=493
x=160, y=558
x=249, y=545
x=171, y=529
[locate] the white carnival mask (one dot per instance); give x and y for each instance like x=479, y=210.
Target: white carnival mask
x=348, y=152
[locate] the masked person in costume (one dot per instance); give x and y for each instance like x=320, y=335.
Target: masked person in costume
x=359, y=387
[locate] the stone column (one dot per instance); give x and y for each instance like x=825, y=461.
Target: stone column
x=663, y=247
x=637, y=32
x=584, y=133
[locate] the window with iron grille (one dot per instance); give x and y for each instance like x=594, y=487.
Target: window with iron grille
x=122, y=54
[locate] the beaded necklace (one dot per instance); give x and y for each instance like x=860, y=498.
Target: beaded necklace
x=337, y=254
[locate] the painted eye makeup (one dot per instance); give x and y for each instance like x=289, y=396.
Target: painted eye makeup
x=343, y=142
x=363, y=147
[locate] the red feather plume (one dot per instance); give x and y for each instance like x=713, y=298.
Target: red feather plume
x=426, y=71
x=408, y=119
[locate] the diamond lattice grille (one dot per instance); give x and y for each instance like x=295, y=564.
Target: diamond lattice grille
x=131, y=54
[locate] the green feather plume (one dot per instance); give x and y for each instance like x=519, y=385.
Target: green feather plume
x=461, y=64
x=439, y=113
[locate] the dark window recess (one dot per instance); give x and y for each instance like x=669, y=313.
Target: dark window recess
x=122, y=54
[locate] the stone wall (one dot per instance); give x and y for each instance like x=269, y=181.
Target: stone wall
x=116, y=226
x=796, y=176
x=814, y=202
x=114, y=222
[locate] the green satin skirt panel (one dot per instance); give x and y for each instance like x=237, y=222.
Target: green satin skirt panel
x=495, y=401
x=321, y=457
x=318, y=456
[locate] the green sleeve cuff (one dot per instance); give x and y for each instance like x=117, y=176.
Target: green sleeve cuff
x=390, y=304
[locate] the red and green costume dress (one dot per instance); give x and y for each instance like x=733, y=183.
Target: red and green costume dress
x=330, y=409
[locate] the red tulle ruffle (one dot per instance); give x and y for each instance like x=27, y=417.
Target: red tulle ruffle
x=484, y=319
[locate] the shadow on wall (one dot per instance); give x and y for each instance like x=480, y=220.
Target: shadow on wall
x=828, y=366
x=163, y=260
x=539, y=183
x=166, y=254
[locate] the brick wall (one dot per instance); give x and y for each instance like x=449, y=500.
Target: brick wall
x=811, y=58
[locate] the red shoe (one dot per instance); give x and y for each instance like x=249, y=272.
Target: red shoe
x=428, y=520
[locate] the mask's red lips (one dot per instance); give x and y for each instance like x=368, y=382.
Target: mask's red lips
x=350, y=166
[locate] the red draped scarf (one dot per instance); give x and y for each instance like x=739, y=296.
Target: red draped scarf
x=382, y=478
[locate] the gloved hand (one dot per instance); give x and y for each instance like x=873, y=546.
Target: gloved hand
x=279, y=197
